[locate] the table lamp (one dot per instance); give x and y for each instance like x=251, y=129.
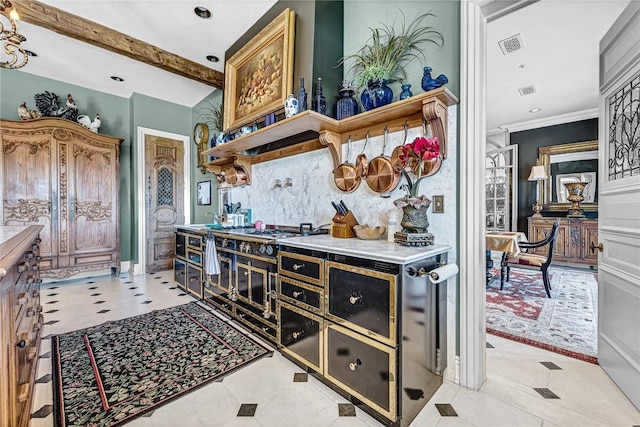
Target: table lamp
x=537, y=174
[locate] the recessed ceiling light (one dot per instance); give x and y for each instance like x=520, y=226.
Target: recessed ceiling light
x=202, y=12
x=535, y=110
x=212, y=58
x=116, y=78
x=31, y=54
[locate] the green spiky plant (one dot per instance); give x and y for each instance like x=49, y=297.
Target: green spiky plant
x=213, y=115
x=388, y=50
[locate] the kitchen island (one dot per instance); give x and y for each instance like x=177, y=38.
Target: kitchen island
x=360, y=315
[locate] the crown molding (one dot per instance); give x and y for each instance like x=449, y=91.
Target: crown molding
x=549, y=121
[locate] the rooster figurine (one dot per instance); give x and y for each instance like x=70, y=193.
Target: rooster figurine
x=25, y=114
x=49, y=105
x=70, y=102
x=429, y=83
x=95, y=124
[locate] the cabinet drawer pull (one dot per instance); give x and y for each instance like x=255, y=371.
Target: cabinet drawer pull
x=246, y=273
x=297, y=334
x=354, y=299
x=354, y=365
x=296, y=267
x=296, y=294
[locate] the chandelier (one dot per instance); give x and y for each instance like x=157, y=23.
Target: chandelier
x=16, y=55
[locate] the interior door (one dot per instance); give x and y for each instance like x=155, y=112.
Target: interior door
x=501, y=184
x=619, y=203
x=164, y=189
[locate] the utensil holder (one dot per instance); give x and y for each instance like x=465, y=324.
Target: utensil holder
x=342, y=226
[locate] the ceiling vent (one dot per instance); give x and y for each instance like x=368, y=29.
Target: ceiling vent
x=527, y=90
x=511, y=44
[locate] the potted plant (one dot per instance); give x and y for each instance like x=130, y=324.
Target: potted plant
x=384, y=57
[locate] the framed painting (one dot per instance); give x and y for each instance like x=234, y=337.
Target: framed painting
x=259, y=76
x=204, y=193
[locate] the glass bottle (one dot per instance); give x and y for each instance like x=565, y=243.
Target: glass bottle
x=302, y=96
x=319, y=102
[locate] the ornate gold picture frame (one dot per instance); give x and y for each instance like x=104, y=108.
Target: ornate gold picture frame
x=259, y=76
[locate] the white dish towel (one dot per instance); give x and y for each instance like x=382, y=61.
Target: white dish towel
x=212, y=265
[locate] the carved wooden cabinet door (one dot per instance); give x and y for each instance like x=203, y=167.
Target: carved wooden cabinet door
x=89, y=209
x=56, y=173
x=28, y=180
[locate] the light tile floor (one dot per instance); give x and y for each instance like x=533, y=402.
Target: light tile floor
x=585, y=396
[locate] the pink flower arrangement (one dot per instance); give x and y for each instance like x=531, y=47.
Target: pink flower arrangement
x=415, y=157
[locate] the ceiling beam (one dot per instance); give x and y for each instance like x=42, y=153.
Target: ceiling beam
x=82, y=29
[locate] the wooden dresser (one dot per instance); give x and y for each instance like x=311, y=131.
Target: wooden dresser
x=20, y=321
x=575, y=237
x=56, y=173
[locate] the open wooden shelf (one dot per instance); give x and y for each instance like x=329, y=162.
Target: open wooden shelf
x=309, y=130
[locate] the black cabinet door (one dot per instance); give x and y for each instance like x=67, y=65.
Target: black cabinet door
x=180, y=273
x=363, y=367
x=362, y=299
x=194, y=280
x=181, y=245
x=301, y=335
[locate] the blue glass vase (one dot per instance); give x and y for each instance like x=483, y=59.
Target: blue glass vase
x=406, y=93
x=376, y=95
x=347, y=105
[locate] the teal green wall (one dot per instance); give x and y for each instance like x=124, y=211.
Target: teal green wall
x=360, y=16
x=198, y=212
x=120, y=117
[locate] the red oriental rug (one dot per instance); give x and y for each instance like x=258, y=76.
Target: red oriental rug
x=566, y=323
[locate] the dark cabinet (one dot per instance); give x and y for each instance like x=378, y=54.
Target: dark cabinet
x=364, y=367
x=301, y=334
x=189, y=262
x=362, y=299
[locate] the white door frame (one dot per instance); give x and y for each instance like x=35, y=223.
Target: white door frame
x=474, y=15
x=140, y=266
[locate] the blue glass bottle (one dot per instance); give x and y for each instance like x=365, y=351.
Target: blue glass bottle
x=319, y=102
x=302, y=96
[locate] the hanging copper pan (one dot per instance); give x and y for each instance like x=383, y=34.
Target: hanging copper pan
x=381, y=175
x=346, y=176
x=362, y=165
x=395, y=154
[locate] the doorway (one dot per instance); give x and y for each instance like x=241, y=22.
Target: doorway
x=172, y=153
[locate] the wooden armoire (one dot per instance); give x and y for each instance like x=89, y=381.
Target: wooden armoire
x=56, y=173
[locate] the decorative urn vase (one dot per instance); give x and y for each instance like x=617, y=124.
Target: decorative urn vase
x=376, y=94
x=290, y=106
x=575, y=192
x=414, y=219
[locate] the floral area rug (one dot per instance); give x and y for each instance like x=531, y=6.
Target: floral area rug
x=566, y=323
x=107, y=374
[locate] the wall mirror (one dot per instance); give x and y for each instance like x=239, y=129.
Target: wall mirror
x=573, y=162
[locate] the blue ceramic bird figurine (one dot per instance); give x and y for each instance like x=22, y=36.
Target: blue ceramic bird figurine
x=429, y=83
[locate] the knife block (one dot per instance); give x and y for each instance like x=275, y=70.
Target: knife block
x=342, y=226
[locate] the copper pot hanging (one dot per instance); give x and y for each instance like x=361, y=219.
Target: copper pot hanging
x=362, y=164
x=382, y=177
x=346, y=175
